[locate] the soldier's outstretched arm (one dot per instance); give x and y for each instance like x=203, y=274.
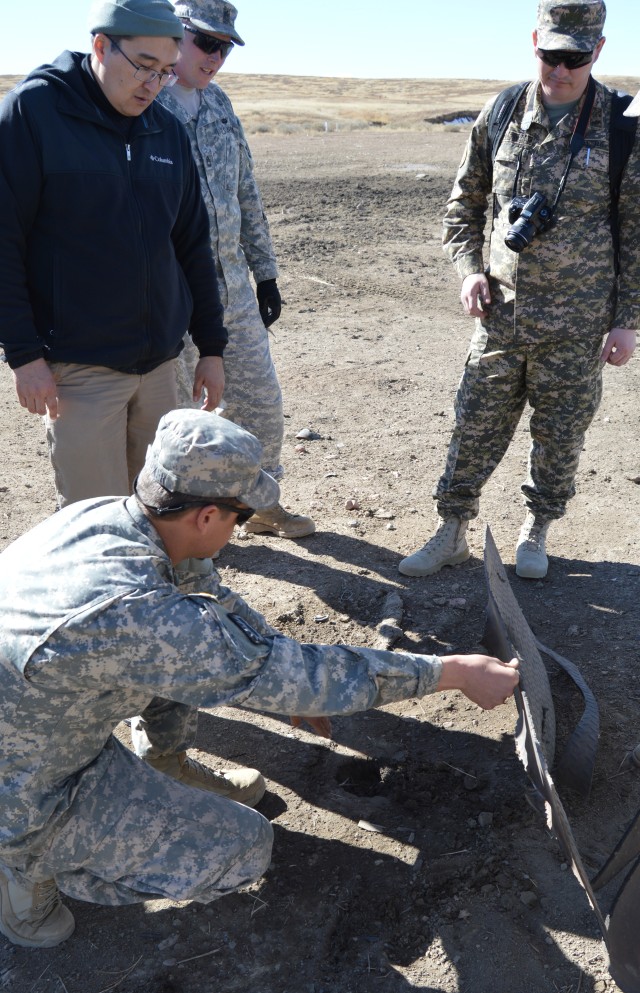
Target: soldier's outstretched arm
x=483, y=679
x=210, y=655
x=317, y=680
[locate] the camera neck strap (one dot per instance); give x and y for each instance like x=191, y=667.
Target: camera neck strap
x=578, y=136
x=576, y=143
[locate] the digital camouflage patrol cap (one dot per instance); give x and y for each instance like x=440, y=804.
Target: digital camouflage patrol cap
x=135, y=19
x=204, y=455
x=216, y=16
x=570, y=27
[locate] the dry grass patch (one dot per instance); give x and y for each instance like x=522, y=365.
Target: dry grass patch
x=7, y=83
x=276, y=103
x=317, y=103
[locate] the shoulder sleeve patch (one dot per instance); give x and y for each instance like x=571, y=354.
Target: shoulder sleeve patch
x=249, y=632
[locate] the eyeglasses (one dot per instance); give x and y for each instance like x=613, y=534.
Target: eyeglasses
x=570, y=60
x=145, y=75
x=209, y=45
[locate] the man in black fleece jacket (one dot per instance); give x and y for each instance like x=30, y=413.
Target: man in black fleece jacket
x=105, y=257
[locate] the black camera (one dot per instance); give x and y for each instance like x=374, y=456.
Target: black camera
x=528, y=216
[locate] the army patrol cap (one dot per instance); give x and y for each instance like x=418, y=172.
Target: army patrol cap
x=204, y=455
x=216, y=16
x=633, y=110
x=570, y=27
x=135, y=19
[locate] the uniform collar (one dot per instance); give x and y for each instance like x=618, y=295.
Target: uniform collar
x=536, y=113
x=143, y=523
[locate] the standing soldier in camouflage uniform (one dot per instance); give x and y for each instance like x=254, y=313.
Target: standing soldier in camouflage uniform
x=241, y=241
x=542, y=311
x=79, y=810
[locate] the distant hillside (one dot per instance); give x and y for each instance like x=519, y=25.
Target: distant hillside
x=314, y=103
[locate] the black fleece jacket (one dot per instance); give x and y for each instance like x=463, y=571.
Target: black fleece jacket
x=105, y=257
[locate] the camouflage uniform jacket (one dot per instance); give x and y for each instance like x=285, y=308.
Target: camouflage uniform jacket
x=93, y=626
x=239, y=228
x=563, y=285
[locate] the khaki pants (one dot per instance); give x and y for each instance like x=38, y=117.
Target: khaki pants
x=106, y=420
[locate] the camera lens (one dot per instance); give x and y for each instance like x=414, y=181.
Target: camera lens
x=515, y=242
x=519, y=236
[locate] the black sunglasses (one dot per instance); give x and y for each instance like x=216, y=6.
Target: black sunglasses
x=243, y=514
x=209, y=45
x=570, y=60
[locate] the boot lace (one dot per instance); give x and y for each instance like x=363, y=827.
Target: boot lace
x=446, y=533
x=45, y=900
x=534, y=535
x=199, y=771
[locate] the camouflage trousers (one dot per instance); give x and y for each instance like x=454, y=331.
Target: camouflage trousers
x=561, y=380
x=140, y=835
x=252, y=396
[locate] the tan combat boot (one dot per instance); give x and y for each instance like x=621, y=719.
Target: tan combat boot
x=448, y=546
x=31, y=914
x=245, y=786
x=531, y=558
x=279, y=522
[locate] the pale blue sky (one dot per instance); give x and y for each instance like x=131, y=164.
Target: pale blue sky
x=366, y=38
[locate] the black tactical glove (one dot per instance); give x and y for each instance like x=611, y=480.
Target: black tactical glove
x=269, y=301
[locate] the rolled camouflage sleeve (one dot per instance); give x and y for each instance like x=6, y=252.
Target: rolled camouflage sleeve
x=628, y=305
x=465, y=216
x=192, y=650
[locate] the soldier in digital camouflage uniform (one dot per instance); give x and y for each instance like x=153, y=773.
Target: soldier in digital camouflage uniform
x=241, y=242
x=118, y=629
x=541, y=314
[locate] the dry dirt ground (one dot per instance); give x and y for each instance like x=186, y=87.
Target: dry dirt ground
x=460, y=888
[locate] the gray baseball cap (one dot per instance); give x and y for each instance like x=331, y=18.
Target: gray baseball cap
x=216, y=16
x=573, y=26
x=135, y=19
x=633, y=110
x=205, y=455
